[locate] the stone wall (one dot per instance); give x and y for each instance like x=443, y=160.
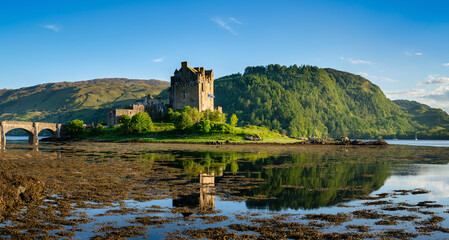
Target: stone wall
x=156, y=107
x=114, y=114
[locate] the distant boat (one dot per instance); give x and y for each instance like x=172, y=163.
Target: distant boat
x=394, y=137
x=416, y=137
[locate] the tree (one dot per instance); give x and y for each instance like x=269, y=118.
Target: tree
x=214, y=116
x=141, y=122
x=183, y=121
x=75, y=128
x=234, y=120
x=96, y=130
x=125, y=120
x=204, y=126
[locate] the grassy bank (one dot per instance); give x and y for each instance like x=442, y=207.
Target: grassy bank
x=166, y=132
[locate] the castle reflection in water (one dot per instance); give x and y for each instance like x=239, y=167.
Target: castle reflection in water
x=204, y=200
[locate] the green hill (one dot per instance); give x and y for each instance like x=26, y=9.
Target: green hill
x=307, y=101
x=64, y=101
x=434, y=122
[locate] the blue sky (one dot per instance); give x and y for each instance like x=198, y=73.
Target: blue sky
x=402, y=46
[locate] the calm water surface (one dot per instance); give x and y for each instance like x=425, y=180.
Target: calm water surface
x=294, y=180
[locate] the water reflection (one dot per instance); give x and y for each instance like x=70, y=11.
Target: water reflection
x=204, y=200
x=304, y=185
x=426, y=176
x=295, y=181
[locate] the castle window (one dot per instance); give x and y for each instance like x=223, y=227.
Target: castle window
x=202, y=87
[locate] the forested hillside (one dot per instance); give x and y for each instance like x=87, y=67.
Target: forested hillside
x=311, y=101
x=434, y=122
x=65, y=101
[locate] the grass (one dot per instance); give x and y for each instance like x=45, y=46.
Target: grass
x=166, y=133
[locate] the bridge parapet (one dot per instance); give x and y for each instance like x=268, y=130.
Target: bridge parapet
x=32, y=128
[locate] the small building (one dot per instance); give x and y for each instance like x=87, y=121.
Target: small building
x=115, y=114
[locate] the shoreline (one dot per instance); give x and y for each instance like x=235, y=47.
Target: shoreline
x=258, y=143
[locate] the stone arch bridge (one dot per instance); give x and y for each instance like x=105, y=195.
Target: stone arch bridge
x=32, y=128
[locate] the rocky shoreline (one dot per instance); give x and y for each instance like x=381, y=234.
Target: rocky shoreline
x=343, y=141
x=249, y=140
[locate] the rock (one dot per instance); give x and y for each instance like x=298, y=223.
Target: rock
x=253, y=138
x=358, y=142
x=344, y=139
x=378, y=142
x=17, y=190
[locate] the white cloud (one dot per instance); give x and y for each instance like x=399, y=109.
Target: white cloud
x=226, y=23
x=52, y=27
x=435, y=79
x=446, y=64
x=159, y=59
x=353, y=61
x=437, y=98
x=432, y=177
x=366, y=75
x=412, y=93
x=413, y=53
x=235, y=20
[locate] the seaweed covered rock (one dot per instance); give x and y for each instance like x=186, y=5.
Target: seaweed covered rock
x=17, y=190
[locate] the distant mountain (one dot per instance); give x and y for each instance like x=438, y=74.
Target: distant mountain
x=434, y=121
x=312, y=101
x=65, y=101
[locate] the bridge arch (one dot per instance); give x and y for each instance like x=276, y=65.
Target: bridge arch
x=30, y=134
x=32, y=128
x=54, y=133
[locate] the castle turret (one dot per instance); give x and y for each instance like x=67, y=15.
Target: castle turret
x=192, y=87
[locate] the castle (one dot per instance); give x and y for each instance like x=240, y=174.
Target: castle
x=192, y=87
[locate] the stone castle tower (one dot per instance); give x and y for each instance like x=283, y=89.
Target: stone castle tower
x=192, y=87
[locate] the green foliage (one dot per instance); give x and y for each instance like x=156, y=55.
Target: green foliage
x=182, y=121
x=203, y=126
x=221, y=128
x=75, y=128
x=97, y=130
x=125, y=122
x=141, y=123
x=193, y=113
x=305, y=101
x=214, y=116
x=234, y=120
x=174, y=116
x=202, y=122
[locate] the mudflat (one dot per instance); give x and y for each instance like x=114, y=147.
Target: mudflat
x=184, y=191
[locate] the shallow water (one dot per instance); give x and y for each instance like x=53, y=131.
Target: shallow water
x=412, y=142
x=240, y=183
